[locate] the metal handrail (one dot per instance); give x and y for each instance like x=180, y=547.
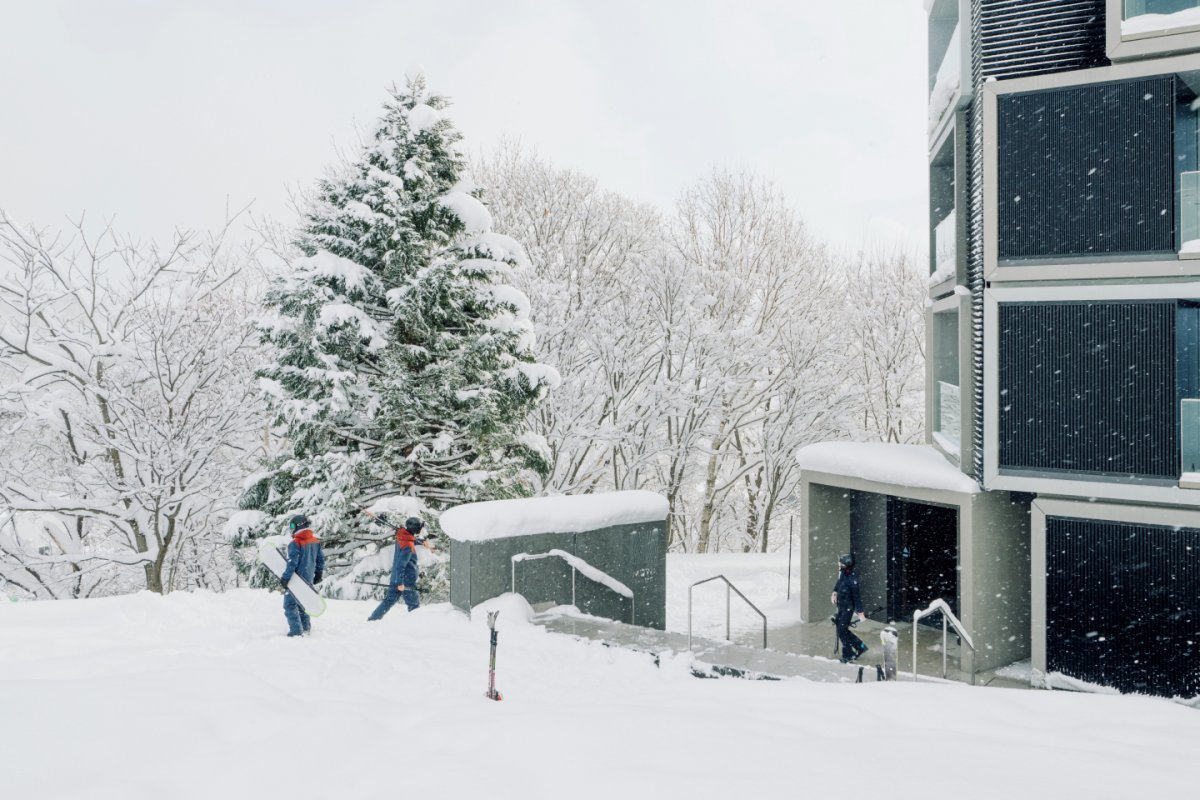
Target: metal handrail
x=944, y=607
x=563, y=555
x=728, y=586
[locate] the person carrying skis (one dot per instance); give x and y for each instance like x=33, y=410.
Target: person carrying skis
x=403, y=580
x=849, y=605
x=306, y=559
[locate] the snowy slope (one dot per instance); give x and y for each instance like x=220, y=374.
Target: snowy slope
x=201, y=696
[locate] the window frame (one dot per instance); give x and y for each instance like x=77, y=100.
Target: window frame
x=1085, y=267
x=1144, y=45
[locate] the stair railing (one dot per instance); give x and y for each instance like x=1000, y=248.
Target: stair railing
x=728, y=587
x=577, y=564
x=947, y=616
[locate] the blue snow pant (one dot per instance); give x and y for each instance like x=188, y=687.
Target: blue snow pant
x=404, y=571
x=297, y=617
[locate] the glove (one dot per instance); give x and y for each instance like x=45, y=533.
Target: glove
x=317, y=578
x=284, y=583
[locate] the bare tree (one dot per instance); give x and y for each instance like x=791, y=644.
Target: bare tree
x=886, y=294
x=131, y=368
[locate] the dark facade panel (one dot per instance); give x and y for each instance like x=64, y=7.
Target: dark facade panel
x=1088, y=388
x=635, y=554
x=1087, y=170
x=1035, y=37
x=1121, y=605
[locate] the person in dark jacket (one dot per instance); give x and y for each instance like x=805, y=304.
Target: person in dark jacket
x=305, y=558
x=403, y=580
x=848, y=600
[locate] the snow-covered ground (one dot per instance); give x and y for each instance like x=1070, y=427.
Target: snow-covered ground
x=201, y=696
x=762, y=577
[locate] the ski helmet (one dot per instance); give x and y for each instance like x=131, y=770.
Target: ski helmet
x=846, y=560
x=413, y=524
x=299, y=523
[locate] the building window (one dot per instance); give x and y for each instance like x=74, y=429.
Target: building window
x=1187, y=347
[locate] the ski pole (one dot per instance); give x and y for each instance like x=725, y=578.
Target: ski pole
x=491, y=692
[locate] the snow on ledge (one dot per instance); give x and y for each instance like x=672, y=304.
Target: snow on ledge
x=916, y=466
x=498, y=519
x=583, y=568
x=1160, y=23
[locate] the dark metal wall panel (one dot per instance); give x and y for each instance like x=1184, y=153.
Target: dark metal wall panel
x=1087, y=170
x=635, y=554
x=1121, y=605
x=1088, y=388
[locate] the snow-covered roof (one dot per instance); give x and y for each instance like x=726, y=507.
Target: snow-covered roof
x=499, y=519
x=914, y=465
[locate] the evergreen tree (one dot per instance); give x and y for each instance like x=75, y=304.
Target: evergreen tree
x=404, y=361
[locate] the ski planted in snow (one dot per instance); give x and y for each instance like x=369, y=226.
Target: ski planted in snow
x=491, y=693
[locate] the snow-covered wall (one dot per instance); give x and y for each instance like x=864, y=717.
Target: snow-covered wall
x=616, y=541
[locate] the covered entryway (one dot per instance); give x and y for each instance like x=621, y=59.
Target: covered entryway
x=922, y=556
x=920, y=530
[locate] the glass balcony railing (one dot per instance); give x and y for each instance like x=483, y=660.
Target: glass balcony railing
x=947, y=81
x=949, y=420
x=945, y=245
x=1189, y=211
x=1189, y=436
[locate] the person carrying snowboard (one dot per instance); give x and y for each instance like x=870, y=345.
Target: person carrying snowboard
x=403, y=580
x=306, y=559
x=849, y=605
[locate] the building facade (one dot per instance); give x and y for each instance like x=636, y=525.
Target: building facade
x=1064, y=348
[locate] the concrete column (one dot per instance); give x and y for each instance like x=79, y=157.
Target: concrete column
x=824, y=535
x=994, y=577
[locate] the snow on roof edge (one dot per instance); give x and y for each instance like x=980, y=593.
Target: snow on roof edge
x=914, y=466
x=498, y=519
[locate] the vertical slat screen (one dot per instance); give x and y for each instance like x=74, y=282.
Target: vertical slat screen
x=1088, y=170
x=1121, y=605
x=1088, y=388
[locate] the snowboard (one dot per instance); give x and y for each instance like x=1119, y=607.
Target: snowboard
x=308, y=597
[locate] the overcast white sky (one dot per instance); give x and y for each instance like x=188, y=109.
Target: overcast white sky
x=155, y=112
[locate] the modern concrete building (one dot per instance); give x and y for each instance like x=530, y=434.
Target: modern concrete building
x=1063, y=378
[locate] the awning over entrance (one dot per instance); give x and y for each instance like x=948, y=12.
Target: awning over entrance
x=913, y=465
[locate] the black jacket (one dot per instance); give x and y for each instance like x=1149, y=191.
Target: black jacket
x=848, y=597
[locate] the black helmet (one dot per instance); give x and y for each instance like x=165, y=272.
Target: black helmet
x=846, y=560
x=413, y=524
x=299, y=522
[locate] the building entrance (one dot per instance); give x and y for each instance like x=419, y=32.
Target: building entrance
x=922, y=555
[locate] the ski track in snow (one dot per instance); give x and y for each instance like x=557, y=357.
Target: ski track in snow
x=201, y=696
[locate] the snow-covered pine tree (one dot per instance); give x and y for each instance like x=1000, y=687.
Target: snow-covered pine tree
x=404, y=361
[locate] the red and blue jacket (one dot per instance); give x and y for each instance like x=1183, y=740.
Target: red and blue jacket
x=305, y=557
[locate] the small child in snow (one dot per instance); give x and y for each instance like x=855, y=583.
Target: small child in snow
x=305, y=558
x=403, y=580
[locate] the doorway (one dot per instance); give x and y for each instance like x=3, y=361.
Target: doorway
x=922, y=553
